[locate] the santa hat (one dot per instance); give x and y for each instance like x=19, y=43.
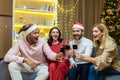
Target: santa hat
x=78, y=25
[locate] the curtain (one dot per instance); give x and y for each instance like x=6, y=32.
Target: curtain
x=86, y=12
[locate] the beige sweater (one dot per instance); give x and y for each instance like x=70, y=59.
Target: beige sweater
x=108, y=57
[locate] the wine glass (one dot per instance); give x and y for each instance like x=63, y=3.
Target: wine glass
x=74, y=47
x=62, y=49
x=67, y=47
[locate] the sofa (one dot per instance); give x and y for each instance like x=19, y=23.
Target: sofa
x=114, y=77
x=4, y=73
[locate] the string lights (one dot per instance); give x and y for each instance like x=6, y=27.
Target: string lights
x=70, y=9
x=67, y=14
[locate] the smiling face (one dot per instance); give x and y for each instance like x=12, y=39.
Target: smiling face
x=97, y=34
x=32, y=38
x=77, y=33
x=55, y=34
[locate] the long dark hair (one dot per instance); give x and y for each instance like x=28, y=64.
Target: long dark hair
x=24, y=28
x=50, y=39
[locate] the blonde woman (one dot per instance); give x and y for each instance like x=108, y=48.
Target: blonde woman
x=106, y=61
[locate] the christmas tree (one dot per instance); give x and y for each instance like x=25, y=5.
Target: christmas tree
x=111, y=18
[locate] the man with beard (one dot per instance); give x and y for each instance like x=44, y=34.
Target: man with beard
x=34, y=51
x=84, y=46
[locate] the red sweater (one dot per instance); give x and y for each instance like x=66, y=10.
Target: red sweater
x=56, y=48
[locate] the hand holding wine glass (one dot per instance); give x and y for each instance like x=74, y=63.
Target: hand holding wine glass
x=69, y=53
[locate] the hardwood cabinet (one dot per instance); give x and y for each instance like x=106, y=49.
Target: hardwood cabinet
x=5, y=26
x=6, y=7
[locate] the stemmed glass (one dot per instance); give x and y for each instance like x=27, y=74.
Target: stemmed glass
x=67, y=47
x=62, y=49
x=74, y=47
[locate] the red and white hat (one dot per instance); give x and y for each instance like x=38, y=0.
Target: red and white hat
x=78, y=25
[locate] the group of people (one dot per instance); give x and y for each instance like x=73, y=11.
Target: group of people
x=57, y=58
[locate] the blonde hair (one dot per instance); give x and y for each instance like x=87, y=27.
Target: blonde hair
x=105, y=37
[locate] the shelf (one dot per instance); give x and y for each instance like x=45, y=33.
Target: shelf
x=40, y=12
x=34, y=12
x=17, y=27
x=47, y=1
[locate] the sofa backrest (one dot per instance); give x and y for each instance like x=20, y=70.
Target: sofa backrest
x=93, y=53
x=119, y=52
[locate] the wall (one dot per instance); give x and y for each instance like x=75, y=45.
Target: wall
x=89, y=14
